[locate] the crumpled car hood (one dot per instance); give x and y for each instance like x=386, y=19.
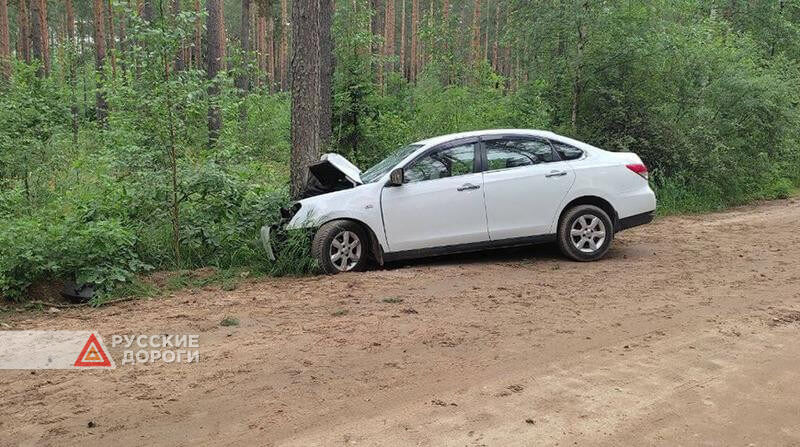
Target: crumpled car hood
x=332, y=173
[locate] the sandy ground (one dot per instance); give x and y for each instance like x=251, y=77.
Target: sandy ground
x=687, y=334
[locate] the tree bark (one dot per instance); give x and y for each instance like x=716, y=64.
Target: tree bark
x=198, y=38
x=5, y=51
x=496, y=43
x=39, y=36
x=376, y=27
x=403, y=40
x=180, y=61
x=23, y=26
x=112, y=40
x=100, y=57
x=485, y=55
x=261, y=46
x=214, y=58
x=305, y=92
x=327, y=64
x=73, y=108
x=476, y=32
x=270, y=48
x=414, y=69
x=123, y=43
x=389, y=35
x=284, y=54
x=243, y=80
x=577, y=89
x=147, y=11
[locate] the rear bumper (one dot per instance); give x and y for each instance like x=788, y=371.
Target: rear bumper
x=635, y=220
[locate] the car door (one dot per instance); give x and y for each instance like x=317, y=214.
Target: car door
x=525, y=182
x=440, y=202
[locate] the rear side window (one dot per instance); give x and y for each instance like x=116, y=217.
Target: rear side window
x=567, y=152
x=514, y=153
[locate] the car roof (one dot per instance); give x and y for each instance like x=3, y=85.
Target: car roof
x=480, y=133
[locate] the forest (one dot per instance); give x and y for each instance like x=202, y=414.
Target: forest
x=151, y=135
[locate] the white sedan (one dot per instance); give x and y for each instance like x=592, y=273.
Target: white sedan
x=467, y=192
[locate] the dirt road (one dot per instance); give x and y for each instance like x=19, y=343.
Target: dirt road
x=687, y=334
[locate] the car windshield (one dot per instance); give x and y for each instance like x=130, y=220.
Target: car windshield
x=379, y=170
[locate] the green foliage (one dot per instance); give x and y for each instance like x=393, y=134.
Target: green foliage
x=293, y=249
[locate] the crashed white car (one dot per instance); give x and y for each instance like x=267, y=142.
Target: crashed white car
x=471, y=191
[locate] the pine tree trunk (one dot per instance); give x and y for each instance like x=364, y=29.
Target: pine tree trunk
x=476, y=32
x=147, y=11
x=284, y=67
x=243, y=80
x=270, y=48
x=215, y=54
x=112, y=40
x=327, y=64
x=263, y=53
x=123, y=43
x=403, y=40
x=73, y=108
x=100, y=57
x=414, y=69
x=5, y=51
x=376, y=27
x=485, y=55
x=39, y=36
x=23, y=25
x=388, y=36
x=180, y=61
x=305, y=92
x=255, y=42
x=577, y=89
x=198, y=37
x=496, y=43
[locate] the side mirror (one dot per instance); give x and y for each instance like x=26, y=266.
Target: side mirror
x=396, y=177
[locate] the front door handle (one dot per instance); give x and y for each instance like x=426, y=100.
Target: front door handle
x=468, y=187
x=556, y=174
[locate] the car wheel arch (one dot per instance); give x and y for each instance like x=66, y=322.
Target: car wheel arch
x=375, y=248
x=597, y=201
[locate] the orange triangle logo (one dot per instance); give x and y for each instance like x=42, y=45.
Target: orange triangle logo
x=92, y=354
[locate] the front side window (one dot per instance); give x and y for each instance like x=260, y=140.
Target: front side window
x=514, y=153
x=445, y=163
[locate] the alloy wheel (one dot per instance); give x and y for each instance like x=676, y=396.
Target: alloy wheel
x=588, y=233
x=345, y=251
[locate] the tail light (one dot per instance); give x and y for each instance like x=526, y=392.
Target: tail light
x=640, y=169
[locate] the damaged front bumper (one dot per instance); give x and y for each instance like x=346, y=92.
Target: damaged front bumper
x=266, y=231
x=269, y=232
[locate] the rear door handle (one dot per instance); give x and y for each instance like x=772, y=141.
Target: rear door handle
x=468, y=187
x=556, y=174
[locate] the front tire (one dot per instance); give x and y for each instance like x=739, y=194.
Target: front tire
x=585, y=233
x=341, y=246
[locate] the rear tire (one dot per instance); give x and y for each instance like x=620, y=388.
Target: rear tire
x=585, y=233
x=341, y=246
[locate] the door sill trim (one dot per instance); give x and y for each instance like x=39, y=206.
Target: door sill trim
x=467, y=248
